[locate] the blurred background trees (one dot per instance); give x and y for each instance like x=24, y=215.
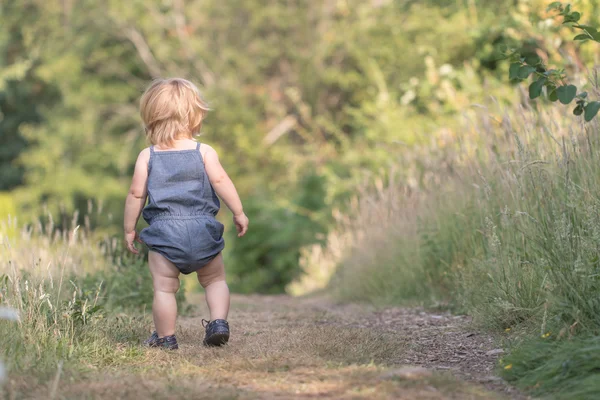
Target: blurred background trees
x=310, y=99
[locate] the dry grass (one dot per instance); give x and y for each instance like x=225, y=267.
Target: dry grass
x=280, y=348
x=63, y=348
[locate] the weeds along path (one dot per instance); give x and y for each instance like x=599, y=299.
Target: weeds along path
x=287, y=348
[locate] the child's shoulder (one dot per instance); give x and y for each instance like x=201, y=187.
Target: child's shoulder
x=144, y=155
x=206, y=149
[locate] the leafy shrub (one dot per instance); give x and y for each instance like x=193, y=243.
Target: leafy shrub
x=267, y=258
x=554, y=80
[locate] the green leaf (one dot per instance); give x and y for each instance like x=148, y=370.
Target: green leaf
x=578, y=110
x=552, y=96
x=567, y=9
x=555, y=5
x=525, y=71
x=583, y=36
x=575, y=16
x=582, y=95
x=513, y=71
x=514, y=55
x=591, y=110
x=535, y=89
x=533, y=59
x=587, y=28
x=566, y=94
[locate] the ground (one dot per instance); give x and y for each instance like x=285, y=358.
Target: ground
x=290, y=348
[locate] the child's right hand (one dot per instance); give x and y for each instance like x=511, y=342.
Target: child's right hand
x=130, y=238
x=241, y=224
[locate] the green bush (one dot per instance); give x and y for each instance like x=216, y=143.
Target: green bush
x=267, y=258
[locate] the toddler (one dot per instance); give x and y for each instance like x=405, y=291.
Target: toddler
x=181, y=179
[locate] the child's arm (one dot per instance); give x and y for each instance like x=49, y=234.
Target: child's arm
x=136, y=199
x=225, y=189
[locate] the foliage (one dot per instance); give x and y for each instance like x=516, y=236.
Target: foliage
x=7, y=208
x=270, y=255
x=308, y=87
x=554, y=79
x=22, y=94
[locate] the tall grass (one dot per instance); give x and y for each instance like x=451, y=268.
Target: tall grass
x=74, y=294
x=560, y=369
x=503, y=222
x=508, y=226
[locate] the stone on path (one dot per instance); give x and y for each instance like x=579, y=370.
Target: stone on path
x=494, y=352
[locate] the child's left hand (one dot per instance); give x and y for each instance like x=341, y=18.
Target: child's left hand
x=131, y=237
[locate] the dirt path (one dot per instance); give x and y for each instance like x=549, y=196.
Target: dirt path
x=286, y=348
x=438, y=342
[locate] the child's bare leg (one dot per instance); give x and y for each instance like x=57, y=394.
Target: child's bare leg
x=165, y=280
x=212, y=279
x=217, y=298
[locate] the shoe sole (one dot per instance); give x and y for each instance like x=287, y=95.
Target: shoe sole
x=217, y=339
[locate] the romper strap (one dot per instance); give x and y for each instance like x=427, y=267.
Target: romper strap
x=151, y=157
x=199, y=152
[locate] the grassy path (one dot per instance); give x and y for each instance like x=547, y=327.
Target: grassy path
x=285, y=348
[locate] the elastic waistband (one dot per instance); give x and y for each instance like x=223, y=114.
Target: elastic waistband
x=179, y=216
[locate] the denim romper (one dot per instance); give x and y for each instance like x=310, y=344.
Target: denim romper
x=181, y=210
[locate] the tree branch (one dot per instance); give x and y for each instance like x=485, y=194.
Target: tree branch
x=144, y=51
x=283, y=127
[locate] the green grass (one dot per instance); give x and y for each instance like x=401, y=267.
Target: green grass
x=80, y=301
x=555, y=368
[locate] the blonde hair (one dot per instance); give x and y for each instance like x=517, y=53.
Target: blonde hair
x=170, y=108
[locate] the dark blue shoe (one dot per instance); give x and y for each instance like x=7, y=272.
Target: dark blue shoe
x=167, y=342
x=217, y=332
x=151, y=340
